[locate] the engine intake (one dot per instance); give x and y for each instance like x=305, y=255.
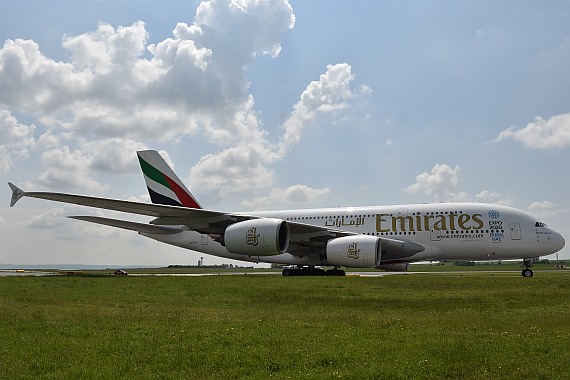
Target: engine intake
x=357, y=251
x=257, y=237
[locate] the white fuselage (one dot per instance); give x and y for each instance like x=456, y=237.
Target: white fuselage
x=447, y=231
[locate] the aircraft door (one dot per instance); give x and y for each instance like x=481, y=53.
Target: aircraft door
x=204, y=239
x=516, y=233
x=434, y=234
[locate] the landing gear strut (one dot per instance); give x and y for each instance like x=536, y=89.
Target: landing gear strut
x=527, y=272
x=312, y=271
x=336, y=272
x=303, y=271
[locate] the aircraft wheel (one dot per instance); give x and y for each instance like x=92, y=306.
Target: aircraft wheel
x=286, y=273
x=317, y=272
x=527, y=272
x=335, y=272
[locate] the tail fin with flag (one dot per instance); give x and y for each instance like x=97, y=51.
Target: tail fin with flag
x=162, y=183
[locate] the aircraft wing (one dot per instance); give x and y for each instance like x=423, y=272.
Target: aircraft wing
x=139, y=208
x=304, y=238
x=133, y=226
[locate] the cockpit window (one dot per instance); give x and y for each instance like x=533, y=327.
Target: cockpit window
x=540, y=224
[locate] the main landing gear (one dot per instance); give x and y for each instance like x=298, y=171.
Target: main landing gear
x=527, y=272
x=312, y=271
x=336, y=272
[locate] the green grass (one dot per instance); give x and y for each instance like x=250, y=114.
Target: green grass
x=394, y=327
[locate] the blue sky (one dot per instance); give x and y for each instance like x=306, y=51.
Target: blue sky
x=275, y=104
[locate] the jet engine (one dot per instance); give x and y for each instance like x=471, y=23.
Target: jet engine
x=358, y=251
x=397, y=267
x=257, y=237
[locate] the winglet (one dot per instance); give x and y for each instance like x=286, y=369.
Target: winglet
x=17, y=193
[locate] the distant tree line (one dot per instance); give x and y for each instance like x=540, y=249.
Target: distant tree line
x=473, y=263
x=219, y=266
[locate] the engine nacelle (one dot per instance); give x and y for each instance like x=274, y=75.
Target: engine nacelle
x=257, y=237
x=357, y=251
x=398, y=267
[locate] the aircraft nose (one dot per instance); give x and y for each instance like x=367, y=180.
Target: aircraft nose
x=559, y=241
x=556, y=241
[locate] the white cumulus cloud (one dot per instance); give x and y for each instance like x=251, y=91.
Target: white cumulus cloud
x=545, y=209
x=487, y=196
x=233, y=170
x=295, y=194
x=541, y=134
x=74, y=169
x=246, y=165
x=116, y=91
x=332, y=92
x=16, y=140
x=440, y=182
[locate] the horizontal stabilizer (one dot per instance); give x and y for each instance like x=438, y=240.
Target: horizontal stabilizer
x=133, y=226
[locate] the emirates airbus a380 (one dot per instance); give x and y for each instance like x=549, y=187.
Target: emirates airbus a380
x=382, y=237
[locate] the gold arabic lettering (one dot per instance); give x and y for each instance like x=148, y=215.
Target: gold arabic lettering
x=345, y=221
x=252, y=237
x=353, y=252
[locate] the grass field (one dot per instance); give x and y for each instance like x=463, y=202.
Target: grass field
x=394, y=327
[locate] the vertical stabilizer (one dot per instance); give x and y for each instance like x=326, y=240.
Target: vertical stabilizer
x=164, y=186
